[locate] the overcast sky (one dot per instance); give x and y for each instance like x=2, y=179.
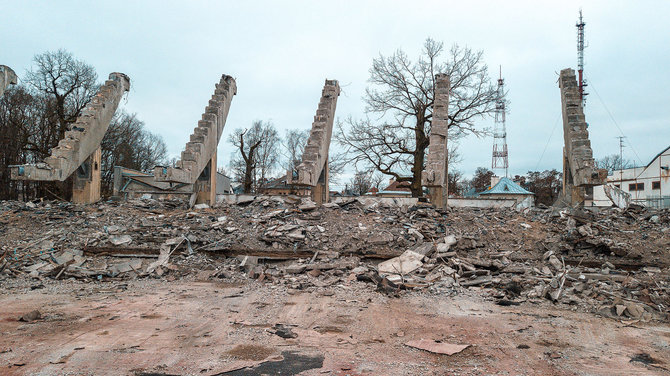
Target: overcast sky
x=280, y=53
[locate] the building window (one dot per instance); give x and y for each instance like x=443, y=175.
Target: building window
x=617, y=185
x=655, y=185
x=636, y=187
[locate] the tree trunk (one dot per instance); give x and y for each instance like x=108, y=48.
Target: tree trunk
x=247, y=177
x=415, y=186
x=419, y=155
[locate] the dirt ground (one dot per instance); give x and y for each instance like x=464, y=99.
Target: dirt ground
x=156, y=327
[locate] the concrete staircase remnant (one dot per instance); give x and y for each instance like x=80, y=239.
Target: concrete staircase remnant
x=84, y=137
x=201, y=148
x=579, y=167
x=434, y=174
x=7, y=77
x=313, y=170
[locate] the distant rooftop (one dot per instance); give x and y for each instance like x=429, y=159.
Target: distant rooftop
x=507, y=187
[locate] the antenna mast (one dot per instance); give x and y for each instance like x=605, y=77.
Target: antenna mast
x=499, y=158
x=580, y=58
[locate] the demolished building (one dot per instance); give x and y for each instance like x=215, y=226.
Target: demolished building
x=130, y=184
x=579, y=168
x=7, y=77
x=78, y=153
x=313, y=171
x=197, y=165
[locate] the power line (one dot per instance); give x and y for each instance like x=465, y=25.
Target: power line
x=548, y=141
x=615, y=122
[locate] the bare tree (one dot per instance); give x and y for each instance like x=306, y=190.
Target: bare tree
x=613, y=163
x=20, y=136
x=377, y=179
x=69, y=82
x=454, y=182
x=128, y=144
x=400, y=97
x=337, y=163
x=361, y=183
x=292, y=146
x=545, y=184
x=35, y=115
x=267, y=153
x=258, y=153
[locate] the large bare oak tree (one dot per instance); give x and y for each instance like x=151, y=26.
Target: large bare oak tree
x=394, y=135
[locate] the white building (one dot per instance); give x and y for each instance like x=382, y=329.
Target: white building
x=648, y=185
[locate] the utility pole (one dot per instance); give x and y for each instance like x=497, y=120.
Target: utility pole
x=621, y=146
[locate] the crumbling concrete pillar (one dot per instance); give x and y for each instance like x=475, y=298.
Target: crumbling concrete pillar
x=313, y=171
x=204, y=141
x=87, y=179
x=321, y=191
x=83, y=138
x=579, y=167
x=118, y=181
x=205, y=186
x=7, y=77
x=435, y=174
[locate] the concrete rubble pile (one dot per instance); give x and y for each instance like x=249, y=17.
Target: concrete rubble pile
x=614, y=262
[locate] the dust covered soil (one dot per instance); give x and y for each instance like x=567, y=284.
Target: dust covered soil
x=279, y=286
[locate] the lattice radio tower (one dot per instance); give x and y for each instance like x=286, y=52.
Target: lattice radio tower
x=499, y=159
x=580, y=58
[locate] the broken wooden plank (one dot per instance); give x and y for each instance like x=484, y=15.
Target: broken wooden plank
x=109, y=251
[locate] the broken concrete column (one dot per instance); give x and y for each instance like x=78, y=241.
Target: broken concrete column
x=313, y=170
x=435, y=174
x=7, y=77
x=87, y=179
x=79, y=149
x=200, y=151
x=579, y=167
x=205, y=187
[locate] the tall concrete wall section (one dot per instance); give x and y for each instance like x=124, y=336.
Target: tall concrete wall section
x=84, y=137
x=578, y=154
x=7, y=77
x=315, y=156
x=201, y=149
x=434, y=174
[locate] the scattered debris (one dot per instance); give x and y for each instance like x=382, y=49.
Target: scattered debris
x=589, y=259
x=437, y=347
x=31, y=316
x=283, y=331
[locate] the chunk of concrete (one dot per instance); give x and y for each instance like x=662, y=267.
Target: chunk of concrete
x=406, y=263
x=437, y=347
x=120, y=240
